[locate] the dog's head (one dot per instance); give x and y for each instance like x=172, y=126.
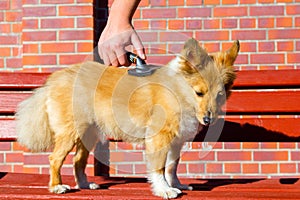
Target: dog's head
x=210, y=76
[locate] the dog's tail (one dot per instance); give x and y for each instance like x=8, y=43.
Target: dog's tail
x=33, y=129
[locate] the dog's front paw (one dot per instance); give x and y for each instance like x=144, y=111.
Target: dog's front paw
x=59, y=189
x=87, y=185
x=167, y=193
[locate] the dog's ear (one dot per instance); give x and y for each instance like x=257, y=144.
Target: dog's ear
x=194, y=55
x=227, y=58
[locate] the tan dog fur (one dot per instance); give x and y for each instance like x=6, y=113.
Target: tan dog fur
x=162, y=111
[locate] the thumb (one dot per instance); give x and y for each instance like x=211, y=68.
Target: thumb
x=138, y=45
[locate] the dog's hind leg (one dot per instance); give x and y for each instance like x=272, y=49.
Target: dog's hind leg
x=171, y=167
x=63, y=146
x=80, y=161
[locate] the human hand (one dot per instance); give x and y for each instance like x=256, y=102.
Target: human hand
x=112, y=43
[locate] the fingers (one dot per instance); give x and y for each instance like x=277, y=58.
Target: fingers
x=138, y=45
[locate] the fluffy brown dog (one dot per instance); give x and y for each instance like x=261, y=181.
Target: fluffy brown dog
x=162, y=111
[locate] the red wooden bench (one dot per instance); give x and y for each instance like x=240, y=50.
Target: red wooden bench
x=264, y=105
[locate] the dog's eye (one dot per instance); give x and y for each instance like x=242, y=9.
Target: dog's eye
x=199, y=94
x=220, y=94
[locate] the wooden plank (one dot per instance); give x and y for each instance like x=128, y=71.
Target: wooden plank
x=264, y=128
x=33, y=186
x=260, y=101
x=241, y=101
x=7, y=129
x=267, y=78
x=9, y=100
x=245, y=78
x=22, y=79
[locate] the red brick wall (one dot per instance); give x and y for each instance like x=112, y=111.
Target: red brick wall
x=42, y=34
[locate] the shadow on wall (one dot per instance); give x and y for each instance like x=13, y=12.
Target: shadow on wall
x=235, y=132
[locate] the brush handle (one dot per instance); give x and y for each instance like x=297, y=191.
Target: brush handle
x=133, y=58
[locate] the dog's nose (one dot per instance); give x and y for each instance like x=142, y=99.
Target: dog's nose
x=206, y=120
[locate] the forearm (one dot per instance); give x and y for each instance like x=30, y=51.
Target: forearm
x=122, y=11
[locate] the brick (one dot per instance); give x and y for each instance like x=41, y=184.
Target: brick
x=158, y=24
x=140, y=169
x=1, y=62
x=265, y=1
x=266, y=58
x=76, y=35
x=269, y=168
x=41, y=11
x=57, y=47
x=84, y=47
x=250, y=168
x=284, y=34
x=211, y=23
x=194, y=12
x=30, y=48
x=193, y=3
x=231, y=145
x=31, y=170
x=266, y=10
x=196, y=168
x=14, y=157
x=247, y=1
x=39, y=36
x=1, y=154
x=249, y=34
x=30, y=2
x=212, y=47
x=6, y=168
x=227, y=2
x=14, y=62
x=247, y=23
x=16, y=5
x=174, y=36
x=126, y=156
x=176, y=24
x=176, y=2
x=182, y=168
x=266, y=46
x=269, y=145
x=148, y=36
x=5, y=51
x=271, y=156
x=248, y=47
x=212, y=35
x=76, y=10
x=5, y=146
x=234, y=156
x=56, y=23
x=232, y=168
x=285, y=45
x=193, y=24
x=58, y=1
x=66, y=170
x=214, y=168
x=211, y=2
x=72, y=59
x=293, y=9
x=157, y=49
x=17, y=28
x=36, y=159
x=124, y=169
x=293, y=58
x=266, y=23
x=141, y=25
x=175, y=48
x=5, y=28
x=288, y=168
x=159, y=13
x=230, y=11
x=154, y=3
x=295, y=156
x=229, y=23
x=15, y=16
x=30, y=23
x=4, y=5
x=284, y=22
x=39, y=60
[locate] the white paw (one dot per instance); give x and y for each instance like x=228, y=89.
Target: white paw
x=94, y=186
x=60, y=189
x=87, y=185
x=167, y=193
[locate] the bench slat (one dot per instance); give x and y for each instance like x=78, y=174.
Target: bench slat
x=9, y=100
x=22, y=80
x=255, y=101
x=245, y=128
x=267, y=78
